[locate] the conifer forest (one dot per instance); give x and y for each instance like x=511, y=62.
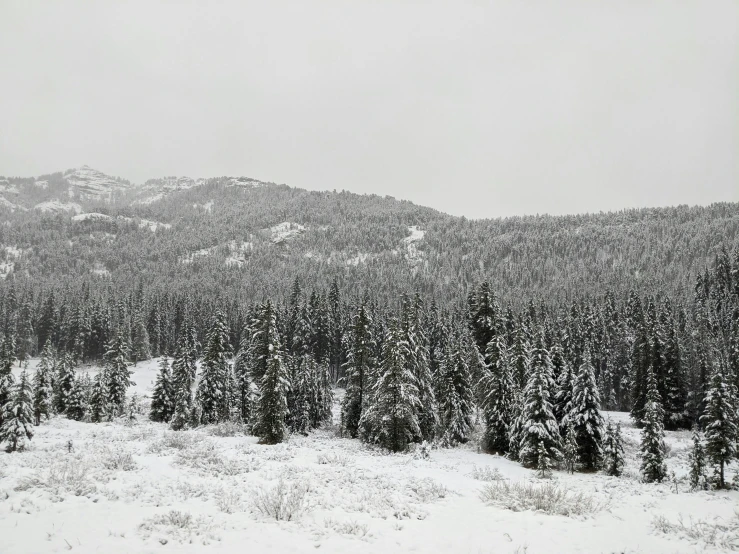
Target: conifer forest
x=570, y=362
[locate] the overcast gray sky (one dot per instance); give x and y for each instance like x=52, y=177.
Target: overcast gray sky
x=480, y=109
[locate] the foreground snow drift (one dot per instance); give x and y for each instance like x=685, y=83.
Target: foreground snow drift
x=138, y=487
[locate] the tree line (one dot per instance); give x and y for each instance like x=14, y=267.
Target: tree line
x=538, y=377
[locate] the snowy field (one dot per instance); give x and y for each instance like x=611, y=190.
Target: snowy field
x=138, y=487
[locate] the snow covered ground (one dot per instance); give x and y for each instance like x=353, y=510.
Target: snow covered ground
x=138, y=487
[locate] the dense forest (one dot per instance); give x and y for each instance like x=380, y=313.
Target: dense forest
x=429, y=322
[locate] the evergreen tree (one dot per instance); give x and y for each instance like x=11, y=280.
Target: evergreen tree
x=273, y=388
x=98, y=399
x=77, y=401
x=17, y=418
x=653, y=435
x=613, y=450
x=64, y=382
x=393, y=415
x=585, y=416
x=358, y=366
x=162, y=398
x=569, y=450
x=7, y=381
x=418, y=364
x=212, y=395
x=243, y=381
x=184, y=367
x=697, y=460
x=544, y=462
x=456, y=402
x=565, y=387
x=540, y=432
x=42, y=386
x=498, y=397
x=719, y=421
x=117, y=374
x=141, y=346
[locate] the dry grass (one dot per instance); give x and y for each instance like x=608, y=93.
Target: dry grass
x=283, y=502
x=720, y=534
x=548, y=498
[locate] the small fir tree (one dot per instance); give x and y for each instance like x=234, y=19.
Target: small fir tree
x=613, y=450
x=117, y=374
x=99, y=399
x=184, y=367
x=274, y=385
x=653, y=434
x=569, y=450
x=42, y=386
x=544, y=462
x=64, y=382
x=538, y=425
x=585, y=416
x=497, y=397
x=455, y=401
x=77, y=401
x=697, y=460
x=212, y=395
x=7, y=381
x=17, y=426
x=719, y=421
x=162, y=398
x=393, y=414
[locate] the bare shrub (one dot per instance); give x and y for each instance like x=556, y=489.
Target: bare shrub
x=177, y=440
x=229, y=502
x=226, y=429
x=69, y=475
x=334, y=459
x=283, y=502
x=353, y=528
x=546, y=497
x=486, y=473
x=119, y=460
x=721, y=535
x=427, y=490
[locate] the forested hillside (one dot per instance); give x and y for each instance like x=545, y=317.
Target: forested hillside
x=246, y=239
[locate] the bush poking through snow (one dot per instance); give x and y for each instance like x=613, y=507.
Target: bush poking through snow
x=354, y=528
x=486, y=473
x=226, y=429
x=70, y=476
x=283, y=502
x=546, y=497
x=334, y=459
x=119, y=460
x=229, y=502
x=428, y=490
x=721, y=535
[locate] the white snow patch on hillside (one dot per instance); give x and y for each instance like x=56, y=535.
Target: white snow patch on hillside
x=142, y=223
x=238, y=253
x=360, y=258
x=57, y=206
x=91, y=216
x=244, y=182
x=41, y=184
x=11, y=254
x=5, y=203
x=413, y=254
x=285, y=231
x=100, y=270
x=153, y=225
x=8, y=188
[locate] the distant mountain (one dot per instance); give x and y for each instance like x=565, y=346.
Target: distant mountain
x=241, y=236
